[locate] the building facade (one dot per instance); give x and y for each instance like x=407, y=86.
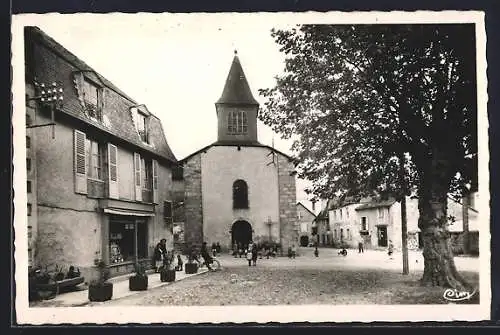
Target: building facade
x=379, y=221
x=100, y=173
x=305, y=218
x=238, y=190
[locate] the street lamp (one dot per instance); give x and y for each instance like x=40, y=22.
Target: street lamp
x=50, y=95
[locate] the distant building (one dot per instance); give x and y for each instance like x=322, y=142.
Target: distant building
x=379, y=221
x=305, y=218
x=101, y=189
x=321, y=226
x=237, y=190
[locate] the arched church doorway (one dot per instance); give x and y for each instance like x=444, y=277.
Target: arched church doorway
x=241, y=233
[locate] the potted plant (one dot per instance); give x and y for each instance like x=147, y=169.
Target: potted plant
x=167, y=270
x=191, y=266
x=43, y=283
x=139, y=281
x=100, y=289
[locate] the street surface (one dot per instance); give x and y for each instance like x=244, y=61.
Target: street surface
x=369, y=278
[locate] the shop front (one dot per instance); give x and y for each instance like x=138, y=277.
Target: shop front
x=126, y=233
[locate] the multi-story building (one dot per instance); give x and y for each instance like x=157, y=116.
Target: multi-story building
x=99, y=176
x=305, y=218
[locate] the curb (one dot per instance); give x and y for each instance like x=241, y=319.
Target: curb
x=131, y=293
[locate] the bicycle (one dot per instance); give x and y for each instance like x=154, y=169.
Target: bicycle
x=214, y=264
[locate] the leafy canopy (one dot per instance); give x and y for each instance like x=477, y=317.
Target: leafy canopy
x=355, y=98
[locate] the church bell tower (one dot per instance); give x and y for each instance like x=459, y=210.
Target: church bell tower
x=237, y=109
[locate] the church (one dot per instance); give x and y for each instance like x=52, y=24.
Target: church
x=237, y=190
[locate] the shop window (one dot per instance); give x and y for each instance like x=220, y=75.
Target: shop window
x=28, y=186
x=240, y=194
x=128, y=240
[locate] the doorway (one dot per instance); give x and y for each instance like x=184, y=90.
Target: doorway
x=382, y=236
x=241, y=233
x=304, y=241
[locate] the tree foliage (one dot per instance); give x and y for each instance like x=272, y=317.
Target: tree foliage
x=361, y=100
x=358, y=96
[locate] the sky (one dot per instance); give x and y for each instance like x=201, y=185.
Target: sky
x=176, y=66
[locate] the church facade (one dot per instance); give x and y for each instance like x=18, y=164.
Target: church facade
x=237, y=190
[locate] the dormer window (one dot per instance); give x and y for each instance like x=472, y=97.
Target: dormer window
x=141, y=119
x=142, y=127
x=237, y=122
x=92, y=96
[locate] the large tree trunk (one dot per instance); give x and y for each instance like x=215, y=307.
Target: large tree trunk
x=439, y=263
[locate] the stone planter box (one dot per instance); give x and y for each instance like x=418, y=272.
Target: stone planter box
x=138, y=283
x=191, y=268
x=101, y=292
x=167, y=275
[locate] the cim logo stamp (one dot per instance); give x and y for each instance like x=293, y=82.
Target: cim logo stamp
x=452, y=294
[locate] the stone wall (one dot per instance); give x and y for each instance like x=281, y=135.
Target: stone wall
x=193, y=226
x=287, y=203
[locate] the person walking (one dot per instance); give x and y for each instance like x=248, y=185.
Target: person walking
x=316, y=251
x=254, y=254
x=159, y=253
x=294, y=251
x=214, y=250
x=249, y=255
x=361, y=242
x=206, y=256
x=390, y=249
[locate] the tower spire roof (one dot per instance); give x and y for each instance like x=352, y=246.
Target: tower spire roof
x=236, y=89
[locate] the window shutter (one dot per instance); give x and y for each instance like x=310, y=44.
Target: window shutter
x=80, y=162
x=155, y=181
x=167, y=212
x=137, y=177
x=112, y=171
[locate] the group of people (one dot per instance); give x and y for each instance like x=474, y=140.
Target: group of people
x=216, y=249
x=161, y=256
x=240, y=249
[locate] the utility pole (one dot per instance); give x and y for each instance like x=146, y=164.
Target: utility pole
x=404, y=228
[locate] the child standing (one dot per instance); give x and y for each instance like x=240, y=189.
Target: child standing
x=390, y=249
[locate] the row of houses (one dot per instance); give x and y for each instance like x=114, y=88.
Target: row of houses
x=104, y=185
x=377, y=221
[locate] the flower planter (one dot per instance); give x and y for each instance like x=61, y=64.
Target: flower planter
x=167, y=275
x=138, y=283
x=191, y=268
x=47, y=291
x=101, y=292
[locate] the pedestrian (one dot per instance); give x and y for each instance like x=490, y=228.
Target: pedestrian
x=254, y=254
x=180, y=263
x=390, y=249
x=316, y=251
x=240, y=249
x=361, y=242
x=206, y=256
x=214, y=249
x=218, y=248
x=249, y=255
x=235, y=250
x=294, y=251
x=159, y=253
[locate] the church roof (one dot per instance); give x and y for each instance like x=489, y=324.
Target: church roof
x=236, y=144
x=236, y=89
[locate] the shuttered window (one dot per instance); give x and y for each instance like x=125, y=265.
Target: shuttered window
x=137, y=177
x=113, y=171
x=80, y=162
x=155, y=181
